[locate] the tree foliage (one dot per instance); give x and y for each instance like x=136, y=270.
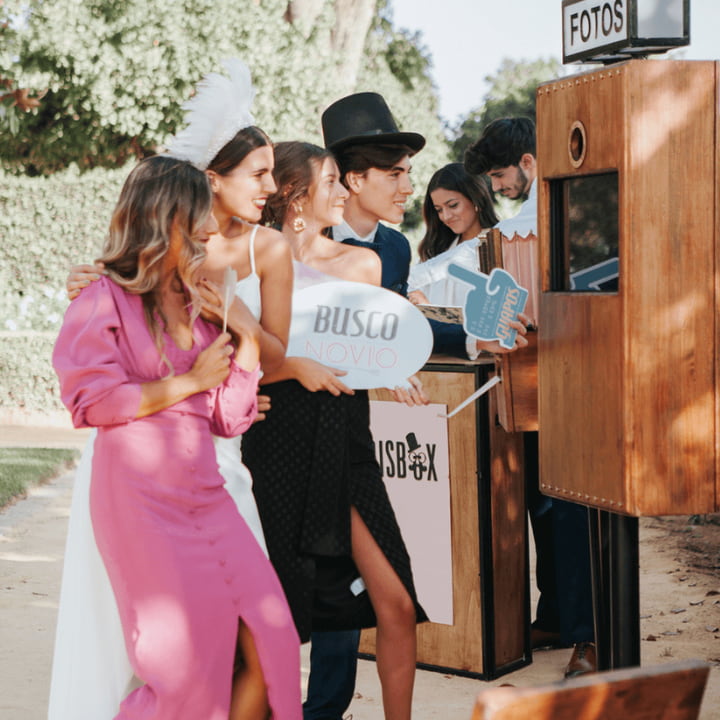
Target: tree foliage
x=511, y=93
x=115, y=72
x=412, y=97
x=14, y=100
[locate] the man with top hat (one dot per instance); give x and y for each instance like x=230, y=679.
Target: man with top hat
x=374, y=158
x=375, y=161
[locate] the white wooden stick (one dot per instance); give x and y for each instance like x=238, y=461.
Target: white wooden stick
x=491, y=383
x=229, y=283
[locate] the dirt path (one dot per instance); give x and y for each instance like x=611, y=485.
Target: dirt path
x=680, y=591
x=680, y=607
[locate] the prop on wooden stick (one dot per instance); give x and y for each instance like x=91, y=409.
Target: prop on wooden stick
x=228, y=292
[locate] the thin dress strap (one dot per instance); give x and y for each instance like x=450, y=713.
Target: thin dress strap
x=253, y=232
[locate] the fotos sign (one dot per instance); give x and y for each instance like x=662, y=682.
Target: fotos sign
x=602, y=30
x=590, y=24
x=377, y=336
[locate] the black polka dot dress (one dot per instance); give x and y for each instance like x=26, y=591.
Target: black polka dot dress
x=311, y=459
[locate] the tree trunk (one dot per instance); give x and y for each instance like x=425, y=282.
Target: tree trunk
x=352, y=22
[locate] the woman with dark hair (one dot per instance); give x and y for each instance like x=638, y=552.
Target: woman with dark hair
x=457, y=207
x=329, y=526
x=205, y=622
x=458, y=210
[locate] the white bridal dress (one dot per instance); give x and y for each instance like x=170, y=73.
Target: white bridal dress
x=91, y=672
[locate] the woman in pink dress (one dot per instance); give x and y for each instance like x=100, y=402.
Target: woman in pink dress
x=207, y=628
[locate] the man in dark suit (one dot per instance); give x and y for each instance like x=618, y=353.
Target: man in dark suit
x=374, y=159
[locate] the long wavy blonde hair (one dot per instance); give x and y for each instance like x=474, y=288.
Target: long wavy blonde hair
x=158, y=192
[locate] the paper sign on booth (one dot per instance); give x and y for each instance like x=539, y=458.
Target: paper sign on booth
x=375, y=335
x=412, y=449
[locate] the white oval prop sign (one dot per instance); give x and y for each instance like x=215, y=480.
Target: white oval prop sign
x=378, y=337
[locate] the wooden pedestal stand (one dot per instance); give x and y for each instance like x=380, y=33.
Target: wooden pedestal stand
x=490, y=634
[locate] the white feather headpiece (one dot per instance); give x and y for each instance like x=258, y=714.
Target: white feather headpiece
x=219, y=108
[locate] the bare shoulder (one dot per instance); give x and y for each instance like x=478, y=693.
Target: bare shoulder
x=366, y=264
x=271, y=246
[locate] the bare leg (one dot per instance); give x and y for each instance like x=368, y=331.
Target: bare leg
x=395, y=611
x=249, y=693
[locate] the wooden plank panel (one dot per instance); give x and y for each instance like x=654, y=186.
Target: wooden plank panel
x=716, y=226
x=509, y=541
x=672, y=692
x=517, y=395
x=596, y=99
x=579, y=384
x=668, y=219
x=579, y=397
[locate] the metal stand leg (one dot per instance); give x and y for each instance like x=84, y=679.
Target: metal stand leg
x=614, y=559
x=601, y=598
x=625, y=591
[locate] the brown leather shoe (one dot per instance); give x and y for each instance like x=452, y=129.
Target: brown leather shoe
x=545, y=639
x=583, y=660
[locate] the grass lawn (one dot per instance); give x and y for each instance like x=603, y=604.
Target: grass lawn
x=23, y=467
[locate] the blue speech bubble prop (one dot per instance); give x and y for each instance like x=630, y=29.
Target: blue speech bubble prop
x=494, y=300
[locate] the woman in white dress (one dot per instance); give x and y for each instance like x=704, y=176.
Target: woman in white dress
x=91, y=672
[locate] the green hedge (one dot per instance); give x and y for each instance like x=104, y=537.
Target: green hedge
x=27, y=378
x=47, y=224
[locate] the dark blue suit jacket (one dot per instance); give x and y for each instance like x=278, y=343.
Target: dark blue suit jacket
x=448, y=339
x=394, y=251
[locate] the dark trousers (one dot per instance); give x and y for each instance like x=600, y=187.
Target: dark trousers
x=562, y=547
x=333, y=667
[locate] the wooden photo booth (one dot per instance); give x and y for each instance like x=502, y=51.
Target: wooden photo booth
x=489, y=633
x=628, y=223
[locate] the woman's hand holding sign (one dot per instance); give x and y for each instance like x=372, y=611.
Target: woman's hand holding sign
x=314, y=376
x=412, y=394
x=521, y=325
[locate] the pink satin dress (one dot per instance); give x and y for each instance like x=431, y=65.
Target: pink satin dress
x=184, y=567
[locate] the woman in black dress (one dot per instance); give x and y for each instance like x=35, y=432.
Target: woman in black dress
x=329, y=526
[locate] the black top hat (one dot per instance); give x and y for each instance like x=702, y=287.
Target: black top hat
x=364, y=118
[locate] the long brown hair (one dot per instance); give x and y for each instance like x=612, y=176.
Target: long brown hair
x=296, y=164
x=158, y=192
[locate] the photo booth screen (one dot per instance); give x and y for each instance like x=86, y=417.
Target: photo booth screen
x=584, y=233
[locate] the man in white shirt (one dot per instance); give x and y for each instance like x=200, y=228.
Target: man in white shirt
x=506, y=153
